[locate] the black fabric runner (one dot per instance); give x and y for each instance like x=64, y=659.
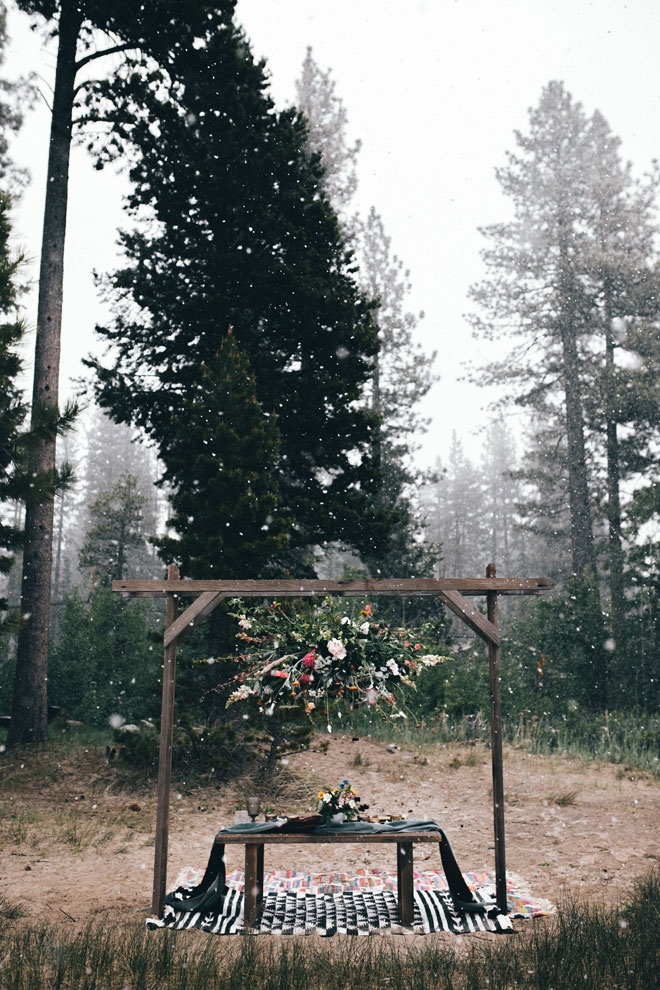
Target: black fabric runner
x=209, y=894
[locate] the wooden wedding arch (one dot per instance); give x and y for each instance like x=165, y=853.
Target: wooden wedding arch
x=452, y=592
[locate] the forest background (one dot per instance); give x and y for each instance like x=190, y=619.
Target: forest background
x=314, y=404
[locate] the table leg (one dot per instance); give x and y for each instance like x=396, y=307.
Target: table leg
x=260, y=877
x=254, y=882
x=405, y=882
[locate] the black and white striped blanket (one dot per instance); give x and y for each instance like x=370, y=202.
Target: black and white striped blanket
x=352, y=912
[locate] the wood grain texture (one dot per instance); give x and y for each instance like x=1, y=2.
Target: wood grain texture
x=305, y=838
x=361, y=588
x=471, y=615
x=193, y=615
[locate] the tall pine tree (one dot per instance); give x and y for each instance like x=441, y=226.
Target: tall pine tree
x=576, y=259
x=86, y=32
x=573, y=282
x=401, y=374
x=240, y=233
x=227, y=515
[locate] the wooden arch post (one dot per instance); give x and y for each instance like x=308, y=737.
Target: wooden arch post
x=207, y=595
x=165, y=751
x=496, y=748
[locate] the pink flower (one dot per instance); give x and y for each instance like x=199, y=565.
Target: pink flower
x=406, y=643
x=417, y=646
x=305, y=679
x=337, y=648
x=308, y=659
x=367, y=609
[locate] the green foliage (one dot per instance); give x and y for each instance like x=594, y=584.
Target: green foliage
x=13, y=482
x=401, y=374
x=558, y=653
x=17, y=483
x=107, y=661
x=219, y=465
x=115, y=529
x=573, y=285
x=244, y=237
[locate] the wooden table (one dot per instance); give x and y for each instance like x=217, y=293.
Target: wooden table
x=254, y=861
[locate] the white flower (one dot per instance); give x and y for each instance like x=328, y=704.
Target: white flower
x=345, y=621
x=329, y=728
x=337, y=648
x=364, y=628
x=243, y=692
x=399, y=715
x=431, y=659
x=270, y=709
x=244, y=622
x=327, y=797
x=394, y=667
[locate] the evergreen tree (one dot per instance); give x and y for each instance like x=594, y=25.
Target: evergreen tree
x=243, y=236
x=155, y=28
x=457, y=516
x=14, y=485
x=14, y=96
x=401, y=375
x=18, y=483
x=116, y=531
x=576, y=258
x=219, y=461
x=502, y=495
x=327, y=123
x=112, y=449
x=105, y=662
x=535, y=290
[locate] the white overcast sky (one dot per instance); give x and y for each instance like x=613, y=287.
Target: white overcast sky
x=434, y=89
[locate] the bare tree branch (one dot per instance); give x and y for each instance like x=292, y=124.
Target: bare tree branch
x=104, y=51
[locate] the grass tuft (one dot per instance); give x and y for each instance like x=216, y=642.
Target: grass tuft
x=562, y=798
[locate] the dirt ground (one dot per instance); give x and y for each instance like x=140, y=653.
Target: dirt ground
x=74, y=847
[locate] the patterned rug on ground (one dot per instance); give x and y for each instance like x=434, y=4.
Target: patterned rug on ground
x=361, y=903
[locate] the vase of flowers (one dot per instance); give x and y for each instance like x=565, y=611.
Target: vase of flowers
x=339, y=805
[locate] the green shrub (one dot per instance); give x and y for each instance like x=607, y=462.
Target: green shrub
x=106, y=661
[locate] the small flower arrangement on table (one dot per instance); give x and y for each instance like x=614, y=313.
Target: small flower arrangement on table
x=341, y=804
x=321, y=657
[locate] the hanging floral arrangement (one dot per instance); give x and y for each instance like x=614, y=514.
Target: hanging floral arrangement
x=322, y=656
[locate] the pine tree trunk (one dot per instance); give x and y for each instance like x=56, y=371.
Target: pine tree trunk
x=582, y=541
x=615, y=547
x=29, y=711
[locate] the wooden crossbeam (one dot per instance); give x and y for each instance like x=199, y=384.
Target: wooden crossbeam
x=471, y=616
x=194, y=614
x=357, y=588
